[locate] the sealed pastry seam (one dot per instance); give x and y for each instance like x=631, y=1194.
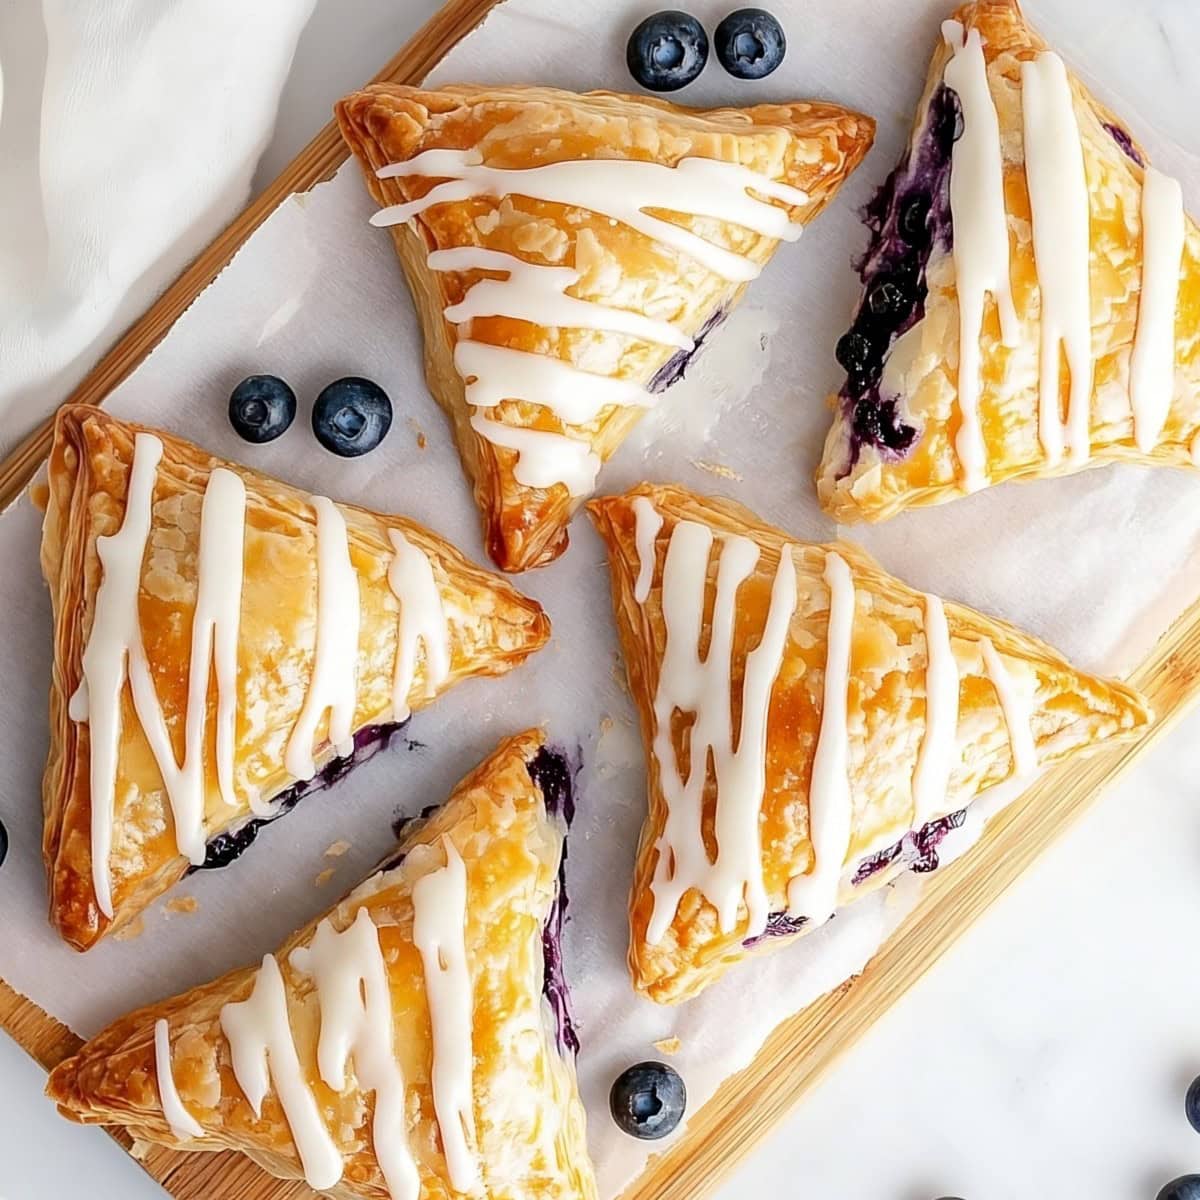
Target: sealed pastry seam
x=221, y=642
x=401, y=1047
x=570, y=254
x=1030, y=294
x=813, y=726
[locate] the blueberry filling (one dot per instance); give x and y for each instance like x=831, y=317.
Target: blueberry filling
x=552, y=773
x=779, y=924
x=908, y=217
x=1123, y=140
x=675, y=368
x=231, y=845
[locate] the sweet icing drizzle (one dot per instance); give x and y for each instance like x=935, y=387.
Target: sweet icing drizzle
x=624, y=190
x=702, y=686
x=935, y=759
x=648, y=522
x=356, y=1023
x=333, y=686
x=981, y=263
x=1017, y=707
x=439, y=933
x=183, y=1126
x=1058, y=196
x=1152, y=364
x=830, y=811
x=422, y=623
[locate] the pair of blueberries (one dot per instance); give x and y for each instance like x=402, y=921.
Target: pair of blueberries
x=669, y=49
x=350, y=417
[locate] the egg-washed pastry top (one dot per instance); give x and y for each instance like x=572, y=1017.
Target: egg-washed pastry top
x=812, y=726
x=569, y=254
x=398, y=1048
x=223, y=643
x=1031, y=299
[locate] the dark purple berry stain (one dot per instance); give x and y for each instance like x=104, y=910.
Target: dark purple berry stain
x=779, y=924
x=1122, y=138
x=3, y=843
x=908, y=217
x=675, y=368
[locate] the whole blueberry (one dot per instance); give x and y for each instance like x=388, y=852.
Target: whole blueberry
x=1191, y=1104
x=856, y=353
x=3, y=843
x=667, y=51
x=750, y=43
x=1186, y=1187
x=647, y=1101
x=261, y=407
x=351, y=416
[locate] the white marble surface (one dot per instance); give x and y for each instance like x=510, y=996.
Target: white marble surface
x=1048, y=1053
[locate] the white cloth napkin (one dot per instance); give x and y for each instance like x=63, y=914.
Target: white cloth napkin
x=129, y=132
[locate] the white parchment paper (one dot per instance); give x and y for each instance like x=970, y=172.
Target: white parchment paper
x=1098, y=564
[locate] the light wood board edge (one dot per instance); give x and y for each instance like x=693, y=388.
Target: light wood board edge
x=803, y=1048
x=316, y=162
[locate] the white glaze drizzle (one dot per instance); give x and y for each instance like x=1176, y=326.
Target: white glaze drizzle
x=621, y=189
x=1152, y=363
x=184, y=1127
x=981, y=265
x=333, y=686
x=544, y=458
x=263, y=1052
x=356, y=1023
x=422, y=622
x=439, y=933
x=689, y=684
x=935, y=759
x=1017, y=708
x=537, y=293
x=648, y=522
x=830, y=808
x=575, y=397
x=1058, y=196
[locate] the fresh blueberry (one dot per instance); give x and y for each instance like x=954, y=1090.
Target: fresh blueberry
x=1186, y=1187
x=3, y=843
x=667, y=51
x=351, y=416
x=750, y=43
x=1191, y=1103
x=647, y=1100
x=261, y=408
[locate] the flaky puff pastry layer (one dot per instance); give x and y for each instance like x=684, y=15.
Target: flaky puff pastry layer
x=922, y=366
x=529, y=1120
x=885, y=717
x=491, y=628
x=811, y=146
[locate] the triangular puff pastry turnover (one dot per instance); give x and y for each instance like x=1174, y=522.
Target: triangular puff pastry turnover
x=223, y=645
x=1031, y=290
x=569, y=254
x=401, y=1047
x=812, y=726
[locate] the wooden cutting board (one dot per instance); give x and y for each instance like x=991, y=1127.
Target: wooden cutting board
x=751, y=1103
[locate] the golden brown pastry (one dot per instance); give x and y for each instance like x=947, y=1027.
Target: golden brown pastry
x=401, y=1047
x=568, y=254
x=1031, y=290
x=812, y=725
x=219, y=639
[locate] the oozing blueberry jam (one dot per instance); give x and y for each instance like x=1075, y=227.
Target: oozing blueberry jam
x=231, y=845
x=675, y=368
x=779, y=924
x=918, y=849
x=552, y=773
x=1123, y=140
x=908, y=217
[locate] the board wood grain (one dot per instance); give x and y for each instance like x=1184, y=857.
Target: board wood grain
x=803, y=1048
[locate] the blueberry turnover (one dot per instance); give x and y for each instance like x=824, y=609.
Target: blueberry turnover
x=192, y=694
x=438, y=1070
x=1030, y=290
x=569, y=253
x=870, y=719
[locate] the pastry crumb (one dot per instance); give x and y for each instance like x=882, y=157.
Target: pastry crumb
x=337, y=849
x=134, y=929
x=421, y=442
x=718, y=469
x=669, y=1045
x=140, y=1149
x=324, y=877
x=182, y=904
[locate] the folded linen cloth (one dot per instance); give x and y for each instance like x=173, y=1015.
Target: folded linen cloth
x=129, y=133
